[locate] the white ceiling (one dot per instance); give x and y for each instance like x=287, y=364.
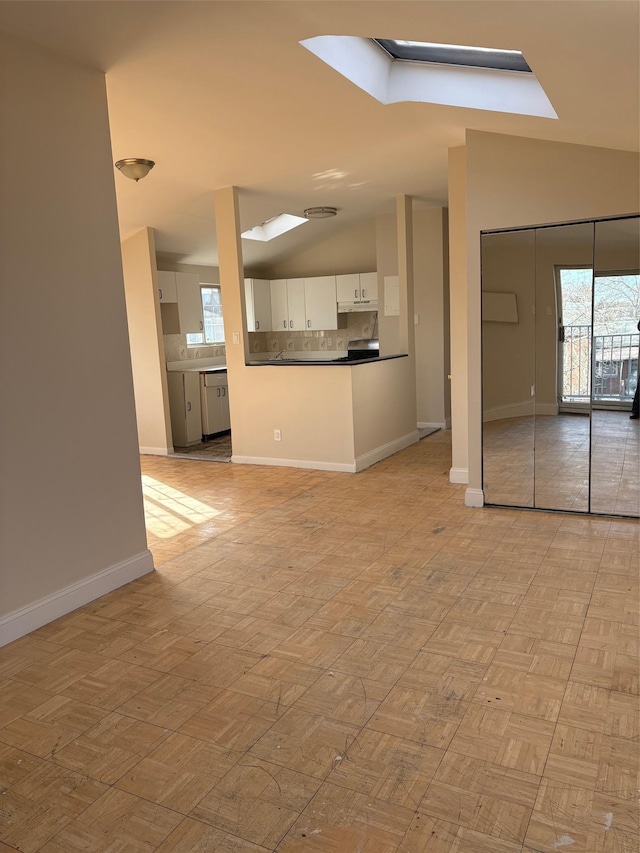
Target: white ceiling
x=222, y=93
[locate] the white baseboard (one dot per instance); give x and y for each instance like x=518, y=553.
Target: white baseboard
x=347, y=467
x=155, y=451
x=459, y=475
x=373, y=456
x=432, y=425
x=362, y=462
x=39, y=613
x=474, y=497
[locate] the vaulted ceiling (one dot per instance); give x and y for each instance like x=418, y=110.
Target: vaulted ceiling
x=222, y=93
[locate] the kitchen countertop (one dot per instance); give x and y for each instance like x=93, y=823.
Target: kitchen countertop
x=194, y=366
x=324, y=362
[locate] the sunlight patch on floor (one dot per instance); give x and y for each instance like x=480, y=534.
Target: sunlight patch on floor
x=169, y=511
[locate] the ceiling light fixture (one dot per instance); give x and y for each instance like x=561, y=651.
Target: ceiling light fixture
x=320, y=212
x=135, y=167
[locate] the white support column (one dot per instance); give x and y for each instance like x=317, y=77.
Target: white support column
x=459, y=472
x=231, y=268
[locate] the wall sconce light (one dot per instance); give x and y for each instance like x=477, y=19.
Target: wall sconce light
x=135, y=167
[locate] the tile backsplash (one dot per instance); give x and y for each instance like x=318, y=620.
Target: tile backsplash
x=353, y=325
x=176, y=349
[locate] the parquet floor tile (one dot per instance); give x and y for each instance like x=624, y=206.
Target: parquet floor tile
x=337, y=663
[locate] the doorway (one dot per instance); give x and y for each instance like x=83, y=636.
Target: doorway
x=597, y=338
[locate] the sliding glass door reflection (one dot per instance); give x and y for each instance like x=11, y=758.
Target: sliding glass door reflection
x=615, y=444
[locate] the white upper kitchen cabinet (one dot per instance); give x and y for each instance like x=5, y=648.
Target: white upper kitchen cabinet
x=167, y=291
x=287, y=305
x=258, y=302
x=189, y=303
x=368, y=286
x=357, y=287
x=183, y=314
x=296, y=304
x=348, y=287
x=321, y=303
x=279, y=306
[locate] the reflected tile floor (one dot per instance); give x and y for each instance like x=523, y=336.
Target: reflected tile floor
x=331, y=663
x=558, y=472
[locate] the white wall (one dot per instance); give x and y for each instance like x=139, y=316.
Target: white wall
x=513, y=181
x=71, y=515
x=147, y=350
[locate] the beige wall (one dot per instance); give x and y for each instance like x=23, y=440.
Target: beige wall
x=71, y=511
x=352, y=250
x=147, y=350
x=431, y=287
x=387, y=265
x=383, y=406
x=513, y=181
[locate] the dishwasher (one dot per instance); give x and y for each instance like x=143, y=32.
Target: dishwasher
x=214, y=403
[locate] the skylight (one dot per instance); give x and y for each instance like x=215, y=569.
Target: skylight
x=454, y=54
x=427, y=73
x=274, y=227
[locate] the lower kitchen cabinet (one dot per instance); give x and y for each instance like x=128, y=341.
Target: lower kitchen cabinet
x=184, y=406
x=214, y=402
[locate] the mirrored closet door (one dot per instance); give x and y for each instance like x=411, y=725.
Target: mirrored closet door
x=560, y=310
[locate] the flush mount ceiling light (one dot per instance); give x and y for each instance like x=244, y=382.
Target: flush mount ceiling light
x=320, y=212
x=135, y=167
x=273, y=227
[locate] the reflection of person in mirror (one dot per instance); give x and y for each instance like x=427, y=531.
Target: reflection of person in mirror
x=635, y=406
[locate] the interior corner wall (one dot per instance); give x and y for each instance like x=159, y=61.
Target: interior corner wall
x=71, y=512
x=430, y=286
x=387, y=265
x=146, y=341
x=514, y=182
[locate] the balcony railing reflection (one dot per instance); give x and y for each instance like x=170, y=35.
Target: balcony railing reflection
x=614, y=372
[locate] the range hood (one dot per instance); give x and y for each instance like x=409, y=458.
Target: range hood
x=349, y=307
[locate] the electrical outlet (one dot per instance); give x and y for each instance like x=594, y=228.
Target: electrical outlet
x=329, y=342
x=307, y=344
x=290, y=345
x=273, y=346
x=366, y=330
x=197, y=354
x=323, y=343
x=182, y=352
x=277, y=435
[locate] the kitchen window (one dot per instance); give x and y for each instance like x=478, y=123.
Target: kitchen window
x=213, y=332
